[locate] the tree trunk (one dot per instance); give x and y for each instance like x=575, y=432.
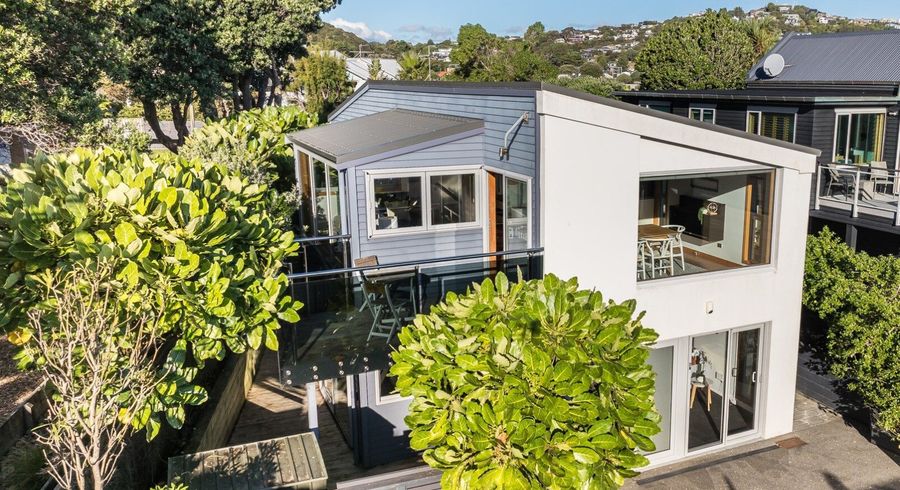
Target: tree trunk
x=275, y=97
x=179, y=119
x=236, y=93
x=247, y=93
x=152, y=118
x=262, y=90
x=95, y=477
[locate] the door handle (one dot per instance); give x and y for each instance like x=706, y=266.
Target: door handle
x=753, y=378
x=734, y=372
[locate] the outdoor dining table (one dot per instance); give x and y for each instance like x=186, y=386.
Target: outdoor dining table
x=394, y=278
x=654, y=232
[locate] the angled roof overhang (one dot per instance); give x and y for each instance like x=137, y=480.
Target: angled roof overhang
x=378, y=136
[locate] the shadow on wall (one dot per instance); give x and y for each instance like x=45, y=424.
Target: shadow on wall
x=382, y=442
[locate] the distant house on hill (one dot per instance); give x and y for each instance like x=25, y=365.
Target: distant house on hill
x=359, y=68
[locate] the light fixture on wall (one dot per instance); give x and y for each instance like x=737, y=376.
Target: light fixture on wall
x=894, y=110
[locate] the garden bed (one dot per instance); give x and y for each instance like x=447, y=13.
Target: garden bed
x=15, y=385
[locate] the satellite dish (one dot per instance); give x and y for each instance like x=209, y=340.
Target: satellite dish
x=773, y=65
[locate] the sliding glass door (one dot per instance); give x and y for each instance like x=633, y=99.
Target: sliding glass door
x=723, y=388
x=707, y=390
x=744, y=378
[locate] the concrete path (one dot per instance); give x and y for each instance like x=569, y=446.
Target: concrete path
x=835, y=456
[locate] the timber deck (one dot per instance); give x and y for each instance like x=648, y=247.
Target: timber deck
x=272, y=411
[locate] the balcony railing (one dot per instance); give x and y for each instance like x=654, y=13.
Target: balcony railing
x=351, y=316
x=321, y=253
x=871, y=189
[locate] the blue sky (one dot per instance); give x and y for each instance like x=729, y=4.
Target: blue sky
x=378, y=20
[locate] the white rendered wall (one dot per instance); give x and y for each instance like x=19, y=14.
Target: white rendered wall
x=590, y=177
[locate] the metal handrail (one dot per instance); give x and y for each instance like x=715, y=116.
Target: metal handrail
x=891, y=177
x=321, y=239
x=414, y=263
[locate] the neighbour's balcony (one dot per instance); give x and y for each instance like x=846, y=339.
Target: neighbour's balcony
x=352, y=315
x=872, y=190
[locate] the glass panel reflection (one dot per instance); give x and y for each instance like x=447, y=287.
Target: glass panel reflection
x=661, y=361
x=707, y=375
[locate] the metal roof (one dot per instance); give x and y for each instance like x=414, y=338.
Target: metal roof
x=872, y=56
x=876, y=95
x=531, y=89
x=381, y=133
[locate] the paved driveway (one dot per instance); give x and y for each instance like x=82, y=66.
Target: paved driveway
x=835, y=456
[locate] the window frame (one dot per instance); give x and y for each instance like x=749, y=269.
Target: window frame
x=382, y=399
x=702, y=109
x=425, y=174
x=760, y=111
x=649, y=104
x=850, y=112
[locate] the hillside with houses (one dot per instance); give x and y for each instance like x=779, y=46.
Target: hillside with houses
x=607, y=51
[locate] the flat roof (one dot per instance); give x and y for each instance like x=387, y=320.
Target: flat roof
x=380, y=133
x=531, y=88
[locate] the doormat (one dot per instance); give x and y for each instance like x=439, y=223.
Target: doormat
x=790, y=443
x=671, y=474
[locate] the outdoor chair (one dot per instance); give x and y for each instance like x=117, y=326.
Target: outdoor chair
x=388, y=313
x=678, y=244
x=879, y=175
x=844, y=182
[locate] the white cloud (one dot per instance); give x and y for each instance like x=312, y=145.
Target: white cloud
x=421, y=33
x=361, y=29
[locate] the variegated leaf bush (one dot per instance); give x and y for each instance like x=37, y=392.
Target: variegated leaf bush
x=536, y=384
x=191, y=239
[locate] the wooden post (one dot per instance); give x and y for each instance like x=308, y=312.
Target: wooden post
x=312, y=408
x=818, y=186
x=856, y=194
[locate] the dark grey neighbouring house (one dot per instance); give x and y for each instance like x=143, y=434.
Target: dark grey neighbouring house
x=834, y=92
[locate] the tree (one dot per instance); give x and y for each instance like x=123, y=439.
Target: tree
x=515, y=62
x=474, y=45
x=592, y=85
x=196, y=51
x=763, y=33
x=531, y=385
x=591, y=69
x=52, y=56
x=375, y=70
x=99, y=361
x=856, y=295
x=323, y=80
x=171, y=60
x=258, y=37
x=252, y=144
x=534, y=33
x=412, y=67
x=711, y=51
x=191, y=238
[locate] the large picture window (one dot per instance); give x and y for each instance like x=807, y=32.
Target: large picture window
x=777, y=125
x=452, y=199
x=692, y=224
x=418, y=201
x=397, y=202
x=859, y=137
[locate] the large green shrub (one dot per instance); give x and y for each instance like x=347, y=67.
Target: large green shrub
x=252, y=144
x=193, y=241
x=857, y=295
x=531, y=385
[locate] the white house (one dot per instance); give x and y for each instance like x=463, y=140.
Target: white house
x=703, y=225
